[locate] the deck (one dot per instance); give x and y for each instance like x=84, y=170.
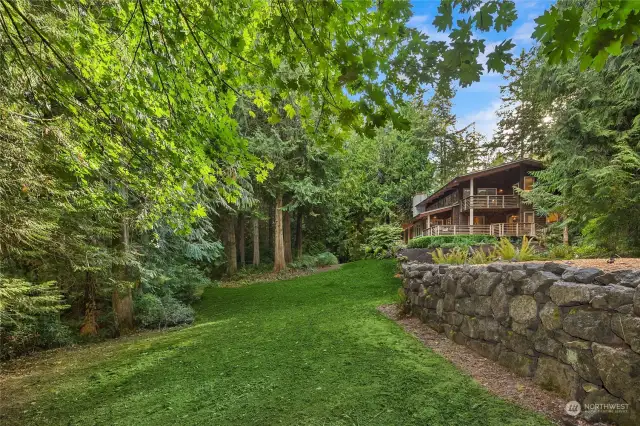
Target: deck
x=486, y=202
x=495, y=229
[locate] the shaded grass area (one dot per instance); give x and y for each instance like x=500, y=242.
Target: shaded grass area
x=308, y=351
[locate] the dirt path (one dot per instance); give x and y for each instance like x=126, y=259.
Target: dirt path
x=492, y=376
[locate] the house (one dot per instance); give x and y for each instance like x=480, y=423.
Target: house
x=482, y=202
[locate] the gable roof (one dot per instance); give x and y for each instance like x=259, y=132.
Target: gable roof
x=480, y=173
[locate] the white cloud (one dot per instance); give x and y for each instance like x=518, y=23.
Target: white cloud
x=417, y=20
x=486, y=119
x=523, y=33
x=420, y=23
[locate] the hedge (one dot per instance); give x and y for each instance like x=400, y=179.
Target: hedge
x=451, y=241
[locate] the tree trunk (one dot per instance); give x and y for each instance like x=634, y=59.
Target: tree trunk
x=278, y=248
x=299, y=233
x=230, y=246
x=256, y=241
x=122, y=298
x=286, y=236
x=241, y=240
x=270, y=242
x=90, y=323
x=565, y=235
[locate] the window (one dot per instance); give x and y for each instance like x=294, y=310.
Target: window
x=529, y=217
x=528, y=183
x=553, y=217
x=478, y=220
x=512, y=219
x=487, y=191
x=466, y=192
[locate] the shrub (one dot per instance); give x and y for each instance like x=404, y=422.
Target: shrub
x=591, y=251
x=155, y=312
x=457, y=256
x=306, y=261
x=326, y=259
x=526, y=251
x=45, y=332
x=504, y=249
x=383, y=241
x=450, y=241
x=29, y=317
x=561, y=251
x=479, y=257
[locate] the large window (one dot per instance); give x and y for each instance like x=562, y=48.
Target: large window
x=528, y=183
x=478, y=220
x=529, y=217
x=487, y=191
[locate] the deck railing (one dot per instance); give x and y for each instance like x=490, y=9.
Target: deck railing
x=490, y=202
x=496, y=229
x=448, y=201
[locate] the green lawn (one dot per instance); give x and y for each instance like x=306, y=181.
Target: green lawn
x=309, y=351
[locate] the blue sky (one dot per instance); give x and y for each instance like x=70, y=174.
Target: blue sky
x=479, y=102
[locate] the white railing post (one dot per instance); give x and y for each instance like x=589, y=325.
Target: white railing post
x=503, y=201
x=517, y=233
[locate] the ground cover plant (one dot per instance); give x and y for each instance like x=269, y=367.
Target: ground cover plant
x=450, y=241
x=312, y=350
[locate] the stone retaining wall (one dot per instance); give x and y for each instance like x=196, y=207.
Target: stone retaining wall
x=575, y=331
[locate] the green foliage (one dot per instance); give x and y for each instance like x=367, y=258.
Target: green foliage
x=526, y=250
x=480, y=257
x=608, y=26
x=594, y=162
x=456, y=256
x=22, y=301
x=505, y=250
x=451, y=241
x=383, y=241
x=561, y=251
x=156, y=312
x=587, y=251
x=308, y=261
x=29, y=317
x=261, y=330
x=326, y=259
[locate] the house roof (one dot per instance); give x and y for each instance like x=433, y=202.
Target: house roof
x=463, y=178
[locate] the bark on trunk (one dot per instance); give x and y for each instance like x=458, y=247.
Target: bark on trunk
x=299, y=234
x=122, y=298
x=230, y=246
x=278, y=248
x=241, y=240
x=286, y=236
x=565, y=235
x=122, y=303
x=90, y=322
x=256, y=241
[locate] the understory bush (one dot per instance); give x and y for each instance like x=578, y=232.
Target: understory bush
x=503, y=250
x=561, y=251
x=30, y=317
x=155, y=312
x=383, y=242
x=307, y=261
x=450, y=241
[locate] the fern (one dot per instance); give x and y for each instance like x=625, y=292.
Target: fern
x=504, y=249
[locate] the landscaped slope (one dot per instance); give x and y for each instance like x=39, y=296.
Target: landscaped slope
x=312, y=350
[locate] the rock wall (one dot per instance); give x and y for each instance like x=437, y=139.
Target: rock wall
x=574, y=331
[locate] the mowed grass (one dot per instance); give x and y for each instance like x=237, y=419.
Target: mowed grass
x=308, y=351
